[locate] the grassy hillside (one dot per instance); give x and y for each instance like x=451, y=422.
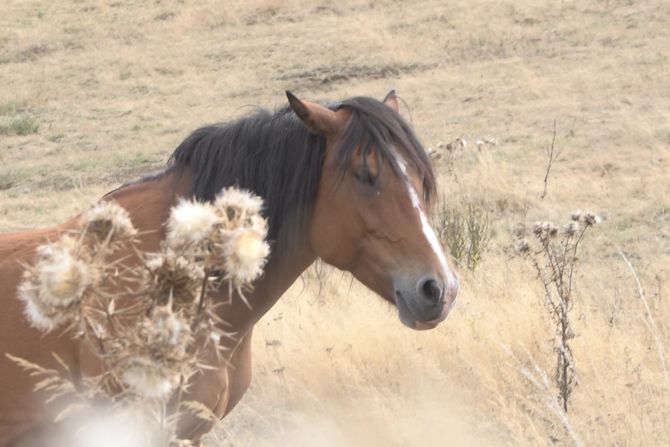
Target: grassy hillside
x=93, y=94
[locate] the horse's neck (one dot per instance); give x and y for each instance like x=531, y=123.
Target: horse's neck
x=149, y=204
x=282, y=271
x=285, y=265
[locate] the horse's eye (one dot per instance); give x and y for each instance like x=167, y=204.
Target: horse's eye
x=364, y=177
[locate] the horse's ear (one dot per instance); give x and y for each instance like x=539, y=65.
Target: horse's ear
x=318, y=119
x=391, y=100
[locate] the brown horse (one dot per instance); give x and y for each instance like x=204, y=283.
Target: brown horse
x=348, y=183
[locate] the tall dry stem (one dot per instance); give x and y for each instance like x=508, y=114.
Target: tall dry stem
x=649, y=320
x=553, y=255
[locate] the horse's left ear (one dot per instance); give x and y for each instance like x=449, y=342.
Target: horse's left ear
x=318, y=119
x=391, y=100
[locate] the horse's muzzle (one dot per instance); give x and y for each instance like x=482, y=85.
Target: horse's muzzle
x=425, y=303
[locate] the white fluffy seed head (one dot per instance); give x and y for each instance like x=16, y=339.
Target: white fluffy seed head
x=235, y=205
x=167, y=331
x=44, y=318
x=522, y=246
x=109, y=221
x=149, y=379
x=571, y=228
x=245, y=254
x=258, y=224
x=53, y=288
x=190, y=224
x=545, y=231
x=63, y=280
x=169, y=275
x=591, y=219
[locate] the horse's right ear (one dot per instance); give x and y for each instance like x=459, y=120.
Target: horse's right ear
x=318, y=119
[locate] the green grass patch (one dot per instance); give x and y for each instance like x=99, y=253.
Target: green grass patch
x=20, y=126
x=12, y=108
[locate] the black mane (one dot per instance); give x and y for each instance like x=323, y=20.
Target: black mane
x=276, y=157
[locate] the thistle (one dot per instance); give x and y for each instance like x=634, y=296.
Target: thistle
x=235, y=205
x=571, y=228
x=229, y=236
x=522, y=246
x=154, y=325
x=148, y=378
x=554, y=259
x=108, y=223
x=53, y=288
x=244, y=254
x=167, y=333
x=170, y=277
x=190, y=225
x=545, y=231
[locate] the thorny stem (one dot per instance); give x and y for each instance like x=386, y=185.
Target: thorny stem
x=558, y=270
x=180, y=393
x=92, y=332
x=203, y=292
x=556, y=277
x=545, y=284
x=564, y=376
x=574, y=255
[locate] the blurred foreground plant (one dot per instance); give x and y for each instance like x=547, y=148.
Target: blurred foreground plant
x=553, y=254
x=148, y=317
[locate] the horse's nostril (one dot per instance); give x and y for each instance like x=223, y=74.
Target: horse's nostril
x=431, y=289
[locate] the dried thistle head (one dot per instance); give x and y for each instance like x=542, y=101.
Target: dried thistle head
x=148, y=377
x=244, y=253
x=239, y=248
x=52, y=289
x=190, y=224
x=154, y=356
x=107, y=221
x=41, y=316
x=522, y=246
x=590, y=219
x=235, y=205
x=172, y=277
x=62, y=274
x=167, y=334
x=545, y=231
x=587, y=218
x=571, y=228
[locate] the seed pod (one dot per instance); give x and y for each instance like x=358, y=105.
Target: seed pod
x=109, y=222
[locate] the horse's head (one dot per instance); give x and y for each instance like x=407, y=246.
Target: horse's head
x=370, y=211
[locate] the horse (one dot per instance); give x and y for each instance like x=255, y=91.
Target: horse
x=347, y=182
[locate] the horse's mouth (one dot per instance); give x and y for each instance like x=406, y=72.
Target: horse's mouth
x=410, y=320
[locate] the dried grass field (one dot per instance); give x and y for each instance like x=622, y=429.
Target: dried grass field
x=96, y=93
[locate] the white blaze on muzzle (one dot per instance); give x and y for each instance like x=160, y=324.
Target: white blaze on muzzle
x=450, y=278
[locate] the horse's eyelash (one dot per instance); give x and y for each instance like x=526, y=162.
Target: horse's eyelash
x=365, y=177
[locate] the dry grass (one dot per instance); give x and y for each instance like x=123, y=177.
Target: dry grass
x=114, y=86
